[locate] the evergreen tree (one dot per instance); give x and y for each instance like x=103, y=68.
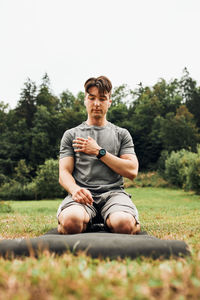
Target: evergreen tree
x=26, y=106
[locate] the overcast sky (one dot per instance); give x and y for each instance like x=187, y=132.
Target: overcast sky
x=130, y=41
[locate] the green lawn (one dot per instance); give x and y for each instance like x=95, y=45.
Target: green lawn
x=165, y=213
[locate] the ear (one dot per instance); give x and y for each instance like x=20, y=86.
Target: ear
x=85, y=100
x=110, y=102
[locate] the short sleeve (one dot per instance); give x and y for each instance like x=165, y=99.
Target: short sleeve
x=66, y=148
x=127, y=146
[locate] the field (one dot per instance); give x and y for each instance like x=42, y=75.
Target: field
x=164, y=213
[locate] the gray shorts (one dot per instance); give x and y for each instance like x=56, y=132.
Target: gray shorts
x=105, y=204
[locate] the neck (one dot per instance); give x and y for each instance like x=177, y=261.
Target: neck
x=96, y=121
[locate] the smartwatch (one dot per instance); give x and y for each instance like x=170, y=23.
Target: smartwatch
x=102, y=152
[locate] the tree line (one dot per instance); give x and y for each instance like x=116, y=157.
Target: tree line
x=161, y=119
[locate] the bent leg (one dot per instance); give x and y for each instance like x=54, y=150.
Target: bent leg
x=122, y=222
x=73, y=219
x=120, y=213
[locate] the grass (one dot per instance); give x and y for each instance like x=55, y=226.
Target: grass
x=165, y=213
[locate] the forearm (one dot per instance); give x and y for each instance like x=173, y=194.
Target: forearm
x=125, y=167
x=67, y=181
x=79, y=194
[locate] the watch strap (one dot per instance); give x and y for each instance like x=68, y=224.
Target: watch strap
x=102, y=152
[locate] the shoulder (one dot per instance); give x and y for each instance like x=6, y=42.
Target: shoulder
x=122, y=132
x=69, y=133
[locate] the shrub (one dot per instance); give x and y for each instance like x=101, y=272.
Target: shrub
x=22, y=172
x=5, y=207
x=149, y=179
x=161, y=162
x=173, y=168
x=177, y=167
x=182, y=169
x=46, y=181
x=16, y=191
x=3, y=179
x=45, y=185
x=193, y=178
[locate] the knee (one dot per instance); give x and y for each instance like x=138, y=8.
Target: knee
x=73, y=220
x=125, y=225
x=71, y=225
x=122, y=223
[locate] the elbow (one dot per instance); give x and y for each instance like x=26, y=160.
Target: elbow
x=60, y=180
x=132, y=170
x=132, y=175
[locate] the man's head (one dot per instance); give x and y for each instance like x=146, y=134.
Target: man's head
x=97, y=97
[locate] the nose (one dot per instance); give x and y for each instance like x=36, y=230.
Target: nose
x=96, y=102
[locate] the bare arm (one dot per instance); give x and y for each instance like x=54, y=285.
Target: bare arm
x=66, y=167
x=126, y=165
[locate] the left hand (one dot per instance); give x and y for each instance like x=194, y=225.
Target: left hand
x=88, y=146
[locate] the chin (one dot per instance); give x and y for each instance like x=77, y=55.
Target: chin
x=97, y=115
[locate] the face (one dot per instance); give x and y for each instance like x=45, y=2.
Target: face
x=97, y=105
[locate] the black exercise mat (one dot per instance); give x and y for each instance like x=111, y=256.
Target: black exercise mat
x=95, y=228
x=96, y=244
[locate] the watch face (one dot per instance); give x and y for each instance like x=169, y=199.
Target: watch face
x=102, y=152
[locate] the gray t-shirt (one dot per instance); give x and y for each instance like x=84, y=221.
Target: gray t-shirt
x=89, y=171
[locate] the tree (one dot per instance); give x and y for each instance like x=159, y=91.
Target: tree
x=22, y=172
x=142, y=113
x=168, y=95
x=14, y=143
x=45, y=96
x=67, y=100
x=121, y=94
x=26, y=106
x=44, y=137
x=178, y=131
x=191, y=95
x=3, y=116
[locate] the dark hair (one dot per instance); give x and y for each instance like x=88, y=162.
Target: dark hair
x=103, y=84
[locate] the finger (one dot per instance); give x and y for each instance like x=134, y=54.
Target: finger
x=80, y=139
x=81, y=196
x=77, y=145
x=88, y=195
x=78, y=150
x=78, y=142
x=86, y=200
x=81, y=201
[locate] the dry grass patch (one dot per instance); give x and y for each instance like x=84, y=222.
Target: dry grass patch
x=80, y=277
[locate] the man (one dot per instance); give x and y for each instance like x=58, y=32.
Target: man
x=94, y=158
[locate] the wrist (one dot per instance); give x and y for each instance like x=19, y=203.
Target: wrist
x=97, y=150
x=102, y=152
x=74, y=189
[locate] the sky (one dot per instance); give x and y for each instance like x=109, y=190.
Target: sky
x=129, y=41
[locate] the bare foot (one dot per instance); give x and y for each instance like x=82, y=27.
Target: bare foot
x=137, y=229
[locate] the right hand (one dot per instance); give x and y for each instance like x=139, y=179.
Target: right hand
x=82, y=195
